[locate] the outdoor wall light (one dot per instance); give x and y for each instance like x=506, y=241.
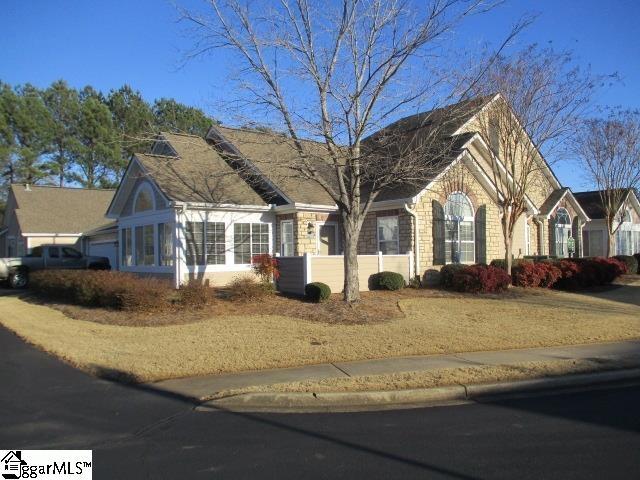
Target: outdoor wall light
x=311, y=229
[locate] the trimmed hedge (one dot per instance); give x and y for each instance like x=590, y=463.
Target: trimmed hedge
x=386, y=281
x=630, y=261
x=481, y=279
x=501, y=263
x=531, y=275
x=583, y=273
x=637, y=257
x=103, y=288
x=447, y=272
x=317, y=292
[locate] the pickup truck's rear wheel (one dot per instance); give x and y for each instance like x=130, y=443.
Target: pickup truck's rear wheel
x=19, y=279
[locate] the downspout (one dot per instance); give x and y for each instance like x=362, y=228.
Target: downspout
x=416, y=239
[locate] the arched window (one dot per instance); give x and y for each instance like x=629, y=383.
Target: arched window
x=562, y=232
x=144, y=199
x=459, y=229
x=624, y=236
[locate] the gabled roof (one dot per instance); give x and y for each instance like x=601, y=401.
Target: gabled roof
x=197, y=174
x=275, y=156
x=48, y=209
x=591, y=202
x=549, y=204
x=554, y=199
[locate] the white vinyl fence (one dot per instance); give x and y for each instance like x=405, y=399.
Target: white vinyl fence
x=296, y=272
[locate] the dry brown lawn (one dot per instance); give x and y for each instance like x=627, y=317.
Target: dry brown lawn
x=440, y=377
x=408, y=323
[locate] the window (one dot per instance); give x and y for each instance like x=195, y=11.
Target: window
x=206, y=244
x=286, y=238
x=54, y=252
x=36, y=252
x=215, y=243
x=144, y=199
x=126, y=257
x=459, y=243
x=249, y=239
x=68, y=252
x=194, y=236
x=388, y=236
x=624, y=236
x=562, y=232
x=145, y=252
x=165, y=244
x=527, y=237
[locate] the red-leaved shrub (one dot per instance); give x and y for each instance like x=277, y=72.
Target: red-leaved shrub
x=533, y=275
x=549, y=274
x=481, y=279
x=588, y=272
x=266, y=267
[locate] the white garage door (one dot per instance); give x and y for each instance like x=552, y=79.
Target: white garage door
x=105, y=250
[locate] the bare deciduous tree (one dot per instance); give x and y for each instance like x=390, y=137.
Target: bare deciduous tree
x=336, y=72
x=609, y=150
x=538, y=103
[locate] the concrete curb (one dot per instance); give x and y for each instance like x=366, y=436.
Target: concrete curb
x=305, y=402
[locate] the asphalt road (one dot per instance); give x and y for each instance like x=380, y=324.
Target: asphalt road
x=134, y=433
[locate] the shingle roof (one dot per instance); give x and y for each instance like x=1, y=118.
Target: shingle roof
x=48, y=209
x=198, y=174
x=591, y=203
x=274, y=155
x=552, y=200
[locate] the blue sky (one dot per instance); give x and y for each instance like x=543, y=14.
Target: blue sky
x=139, y=42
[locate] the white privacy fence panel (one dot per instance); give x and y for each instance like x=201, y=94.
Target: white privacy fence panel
x=296, y=272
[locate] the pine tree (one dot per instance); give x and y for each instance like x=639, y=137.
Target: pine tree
x=63, y=104
x=8, y=102
x=33, y=126
x=176, y=117
x=133, y=119
x=99, y=152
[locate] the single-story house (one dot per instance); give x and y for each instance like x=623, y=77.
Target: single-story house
x=627, y=235
x=200, y=208
x=37, y=215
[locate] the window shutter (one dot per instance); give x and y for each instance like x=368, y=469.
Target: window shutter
x=575, y=233
x=552, y=236
x=438, y=233
x=481, y=234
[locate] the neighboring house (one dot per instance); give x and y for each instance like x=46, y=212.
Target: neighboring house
x=199, y=208
x=37, y=215
x=627, y=236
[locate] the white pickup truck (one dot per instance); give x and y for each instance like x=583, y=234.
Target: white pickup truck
x=15, y=270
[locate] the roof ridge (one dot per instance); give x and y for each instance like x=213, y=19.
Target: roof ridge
x=31, y=185
x=284, y=135
x=157, y=155
x=181, y=134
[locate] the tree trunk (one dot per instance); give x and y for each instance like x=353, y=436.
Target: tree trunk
x=507, y=252
x=351, y=232
x=610, y=243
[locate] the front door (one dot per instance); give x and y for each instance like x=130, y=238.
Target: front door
x=327, y=243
